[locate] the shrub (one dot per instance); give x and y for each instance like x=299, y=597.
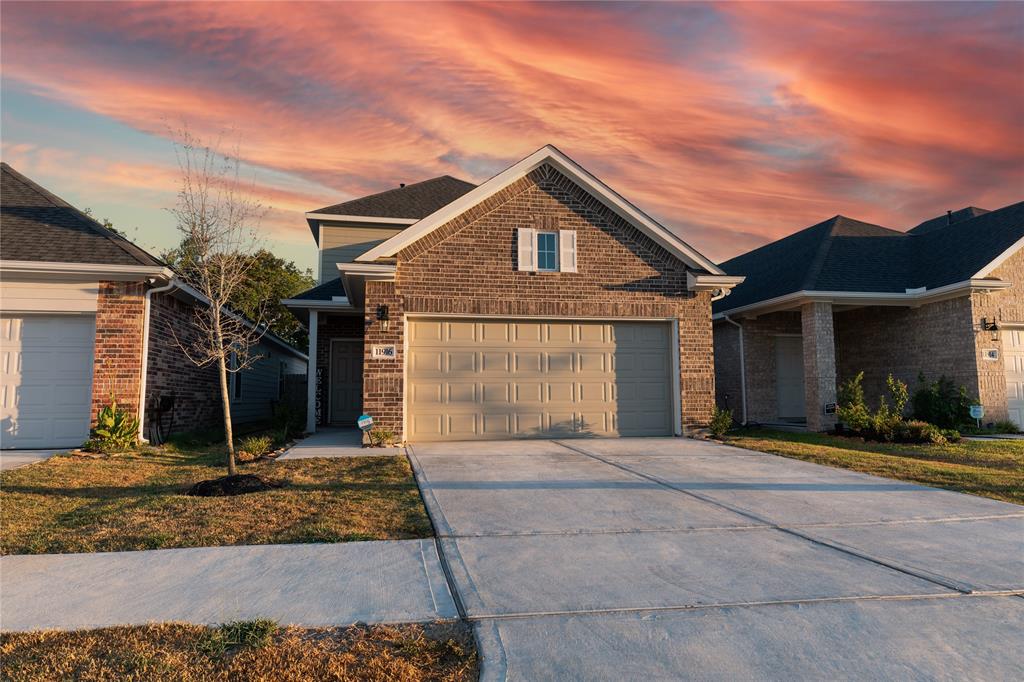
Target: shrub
x=923, y=432
x=252, y=447
x=1005, y=426
x=851, y=409
x=289, y=421
x=899, y=394
x=952, y=435
x=116, y=430
x=942, y=403
x=381, y=437
x=721, y=421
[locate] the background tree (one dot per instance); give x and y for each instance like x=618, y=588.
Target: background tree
x=218, y=220
x=268, y=280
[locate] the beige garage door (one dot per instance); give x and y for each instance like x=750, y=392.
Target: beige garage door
x=477, y=379
x=1013, y=357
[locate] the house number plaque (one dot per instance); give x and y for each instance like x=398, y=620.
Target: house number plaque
x=383, y=351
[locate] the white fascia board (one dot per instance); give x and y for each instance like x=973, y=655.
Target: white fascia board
x=338, y=304
x=866, y=297
x=380, y=269
x=702, y=282
x=330, y=217
x=100, y=271
x=551, y=155
x=999, y=260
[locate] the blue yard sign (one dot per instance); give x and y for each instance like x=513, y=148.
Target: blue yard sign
x=365, y=422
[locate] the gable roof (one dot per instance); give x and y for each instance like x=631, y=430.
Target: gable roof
x=948, y=219
x=40, y=226
x=846, y=255
x=417, y=200
x=545, y=155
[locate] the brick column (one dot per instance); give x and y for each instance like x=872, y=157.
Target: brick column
x=697, y=364
x=384, y=378
x=117, y=355
x=819, y=364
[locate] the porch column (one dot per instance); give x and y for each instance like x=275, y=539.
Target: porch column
x=819, y=364
x=311, y=374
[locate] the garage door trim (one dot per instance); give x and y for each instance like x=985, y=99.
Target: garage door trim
x=676, y=384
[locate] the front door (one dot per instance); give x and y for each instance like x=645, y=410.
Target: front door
x=789, y=377
x=346, y=381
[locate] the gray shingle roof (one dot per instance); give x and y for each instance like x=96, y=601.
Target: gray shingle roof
x=948, y=219
x=37, y=225
x=413, y=201
x=842, y=254
x=323, y=292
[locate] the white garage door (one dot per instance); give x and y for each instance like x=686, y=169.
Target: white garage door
x=490, y=379
x=46, y=380
x=1013, y=356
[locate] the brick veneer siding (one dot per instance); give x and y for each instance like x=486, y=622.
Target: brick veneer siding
x=468, y=267
x=196, y=389
x=331, y=327
x=1005, y=307
x=383, y=379
x=819, y=364
x=117, y=356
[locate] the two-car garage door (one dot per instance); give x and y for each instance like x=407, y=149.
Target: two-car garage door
x=490, y=379
x=45, y=380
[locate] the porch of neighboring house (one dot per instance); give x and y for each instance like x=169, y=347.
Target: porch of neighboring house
x=794, y=360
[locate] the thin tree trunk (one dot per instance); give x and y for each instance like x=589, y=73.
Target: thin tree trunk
x=225, y=400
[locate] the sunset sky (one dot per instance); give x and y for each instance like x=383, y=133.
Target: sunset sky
x=733, y=124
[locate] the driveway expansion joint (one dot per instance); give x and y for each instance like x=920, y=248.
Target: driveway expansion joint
x=916, y=573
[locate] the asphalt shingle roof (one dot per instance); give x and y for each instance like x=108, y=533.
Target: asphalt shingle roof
x=414, y=201
x=38, y=225
x=323, y=292
x=946, y=220
x=841, y=254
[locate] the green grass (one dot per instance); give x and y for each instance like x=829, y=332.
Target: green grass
x=138, y=501
x=253, y=650
x=989, y=468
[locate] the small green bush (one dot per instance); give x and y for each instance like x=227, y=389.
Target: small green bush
x=116, y=430
x=252, y=447
x=721, y=421
x=942, y=403
x=1005, y=426
x=851, y=409
x=381, y=437
x=923, y=432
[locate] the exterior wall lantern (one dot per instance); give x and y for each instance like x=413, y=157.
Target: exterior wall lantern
x=990, y=326
x=382, y=317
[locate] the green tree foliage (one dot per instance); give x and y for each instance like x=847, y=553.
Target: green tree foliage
x=268, y=280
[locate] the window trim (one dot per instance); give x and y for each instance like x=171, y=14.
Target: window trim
x=554, y=252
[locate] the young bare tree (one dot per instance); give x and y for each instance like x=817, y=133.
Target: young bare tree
x=218, y=220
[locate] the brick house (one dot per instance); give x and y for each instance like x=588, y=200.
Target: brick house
x=843, y=296
x=85, y=314
x=539, y=303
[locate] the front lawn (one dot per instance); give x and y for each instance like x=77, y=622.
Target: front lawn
x=254, y=650
x=989, y=468
x=131, y=502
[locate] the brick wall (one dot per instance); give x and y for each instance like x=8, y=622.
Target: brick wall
x=117, y=356
x=467, y=267
x=1005, y=307
x=383, y=380
x=196, y=389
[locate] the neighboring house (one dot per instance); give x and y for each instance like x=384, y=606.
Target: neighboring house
x=540, y=303
x=843, y=296
x=80, y=308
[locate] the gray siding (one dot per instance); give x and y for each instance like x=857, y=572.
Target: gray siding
x=342, y=242
x=261, y=384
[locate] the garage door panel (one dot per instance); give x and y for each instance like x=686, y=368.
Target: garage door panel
x=46, y=377
x=508, y=378
x=1013, y=359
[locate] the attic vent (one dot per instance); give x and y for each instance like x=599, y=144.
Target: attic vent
x=401, y=185
x=918, y=290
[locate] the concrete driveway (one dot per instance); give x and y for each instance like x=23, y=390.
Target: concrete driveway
x=674, y=558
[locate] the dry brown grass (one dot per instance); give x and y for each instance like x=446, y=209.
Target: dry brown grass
x=181, y=652
x=989, y=468
x=133, y=502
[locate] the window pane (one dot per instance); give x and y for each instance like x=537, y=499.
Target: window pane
x=547, y=251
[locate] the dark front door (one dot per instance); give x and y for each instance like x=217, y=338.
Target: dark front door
x=346, y=381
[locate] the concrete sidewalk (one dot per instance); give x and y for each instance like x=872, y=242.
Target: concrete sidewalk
x=314, y=585
x=335, y=443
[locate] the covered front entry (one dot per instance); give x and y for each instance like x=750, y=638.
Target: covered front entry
x=789, y=377
x=472, y=379
x=346, y=384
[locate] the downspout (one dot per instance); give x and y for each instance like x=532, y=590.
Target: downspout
x=171, y=284
x=743, y=368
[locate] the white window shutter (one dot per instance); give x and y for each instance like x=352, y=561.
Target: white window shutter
x=527, y=245
x=567, y=250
